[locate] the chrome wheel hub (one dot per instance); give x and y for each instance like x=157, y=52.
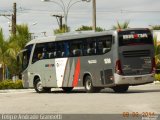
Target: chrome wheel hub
x=39, y=86
x=88, y=85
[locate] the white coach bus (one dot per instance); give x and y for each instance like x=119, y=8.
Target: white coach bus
x=96, y=60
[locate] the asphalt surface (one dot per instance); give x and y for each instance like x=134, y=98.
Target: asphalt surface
x=145, y=98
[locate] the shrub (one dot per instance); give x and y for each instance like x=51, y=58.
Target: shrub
x=9, y=84
x=157, y=77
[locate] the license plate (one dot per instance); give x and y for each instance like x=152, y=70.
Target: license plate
x=138, y=78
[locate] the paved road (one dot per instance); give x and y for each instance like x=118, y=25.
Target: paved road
x=144, y=98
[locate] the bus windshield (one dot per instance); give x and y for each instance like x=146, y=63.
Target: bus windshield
x=26, y=57
x=132, y=37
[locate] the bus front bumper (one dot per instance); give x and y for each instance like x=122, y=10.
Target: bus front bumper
x=133, y=80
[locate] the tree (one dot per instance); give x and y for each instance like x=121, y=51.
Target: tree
x=157, y=52
x=16, y=44
x=11, y=47
x=87, y=28
x=23, y=35
x=3, y=52
x=58, y=31
x=156, y=27
x=119, y=25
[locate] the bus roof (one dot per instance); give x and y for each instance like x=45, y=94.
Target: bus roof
x=70, y=36
x=77, y=35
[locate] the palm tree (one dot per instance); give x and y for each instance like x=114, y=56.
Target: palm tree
x=157, y=52
x=9, y=49
x=155, y=27
x=119, y=25
x=22, y=36
x=86, y=28
x=16, y=44
x=63, y=30
x=3, y=52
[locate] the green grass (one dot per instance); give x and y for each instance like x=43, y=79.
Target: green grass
x=9, y=84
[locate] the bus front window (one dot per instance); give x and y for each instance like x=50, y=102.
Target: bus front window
x=25, y=57
x=25, y=60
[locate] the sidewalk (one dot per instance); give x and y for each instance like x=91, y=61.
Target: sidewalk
x=16, y=90
x=156, y=82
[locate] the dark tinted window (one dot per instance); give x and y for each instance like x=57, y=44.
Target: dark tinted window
x=104, y=44
x=26, y=56
x=90, y=46
x=135, y=37
x=73, y=48
x=39, y=52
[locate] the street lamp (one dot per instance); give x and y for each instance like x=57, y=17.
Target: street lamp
x=65, y=8
x=93, y=13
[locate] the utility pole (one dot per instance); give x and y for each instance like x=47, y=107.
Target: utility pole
x=94, y=14
x=59, y=20
x=14, y=19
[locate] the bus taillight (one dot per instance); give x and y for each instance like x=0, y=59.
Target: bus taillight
x=153, y=66
x=118, y=68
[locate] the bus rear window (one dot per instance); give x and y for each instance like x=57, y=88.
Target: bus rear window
x=139, y=37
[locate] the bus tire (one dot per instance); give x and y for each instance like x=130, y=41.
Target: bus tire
x=120, y=89
x=47, y=89
x=38, y=87
x=89, y=86
x=67, y=89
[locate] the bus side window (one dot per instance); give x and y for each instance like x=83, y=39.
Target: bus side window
x=85, y=47
x=44, y=54
x=59, y=50
x=52, y=51
x=104, y=44
x=37, y=53
x=41, y=52
x=89, y=47
x=100, y=47
x=66, y=49
x=76, y=48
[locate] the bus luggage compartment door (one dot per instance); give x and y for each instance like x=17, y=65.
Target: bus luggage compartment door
x=107, y=76
x=107, y=73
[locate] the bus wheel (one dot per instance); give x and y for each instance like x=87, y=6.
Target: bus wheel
x=89, y=86
x=120, y=89
x=67, y=89
x=46, y=89
x=38, y=87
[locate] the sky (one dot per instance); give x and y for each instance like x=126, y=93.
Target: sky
x=37, y=14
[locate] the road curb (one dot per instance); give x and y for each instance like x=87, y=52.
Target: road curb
x=15, y=90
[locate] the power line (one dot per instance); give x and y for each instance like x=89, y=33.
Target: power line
x=86, y=12
x=25, y=10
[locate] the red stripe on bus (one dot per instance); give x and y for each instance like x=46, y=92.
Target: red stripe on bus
x=76, y=73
